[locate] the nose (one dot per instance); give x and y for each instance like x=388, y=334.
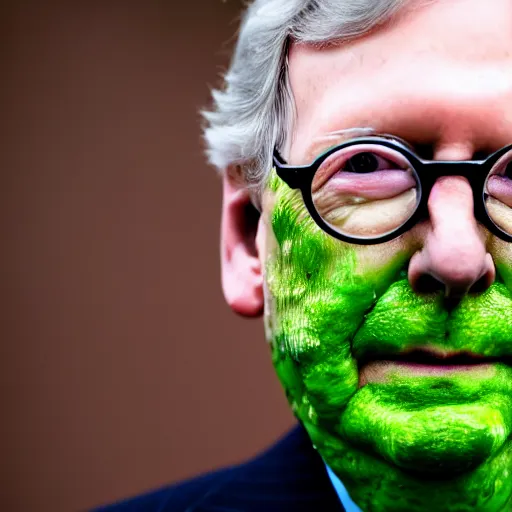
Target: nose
x=453, y=257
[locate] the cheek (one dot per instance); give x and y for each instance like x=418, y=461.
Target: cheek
x=309, y=326
x=502, y=254
x=318, y=291
x=384, y=264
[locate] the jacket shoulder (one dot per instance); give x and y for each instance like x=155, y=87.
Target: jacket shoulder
x=180, y=497
x=289, y=476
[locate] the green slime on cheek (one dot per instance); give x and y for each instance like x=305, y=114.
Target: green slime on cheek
x=409, y=443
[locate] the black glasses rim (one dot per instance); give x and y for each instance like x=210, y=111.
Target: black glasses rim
x=300, y=177
x=390, y=143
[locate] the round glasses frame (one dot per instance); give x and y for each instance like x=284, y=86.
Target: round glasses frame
x=428, y=171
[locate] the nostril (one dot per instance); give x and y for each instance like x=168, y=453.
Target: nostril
x=452, y=275
x=480, y=286
x=428, y=284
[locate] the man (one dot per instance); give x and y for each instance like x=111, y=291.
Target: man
x=384, y=276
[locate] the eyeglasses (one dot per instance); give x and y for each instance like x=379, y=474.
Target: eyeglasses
x=371, y=190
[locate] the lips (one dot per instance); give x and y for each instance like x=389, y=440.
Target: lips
x=420, y=362
x=428, y=356
x=435, y=357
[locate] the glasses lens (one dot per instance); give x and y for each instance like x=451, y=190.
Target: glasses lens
x=498, y=193
x=366, y=191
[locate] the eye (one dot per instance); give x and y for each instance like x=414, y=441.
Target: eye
x=366, y=162
x=365, y=190
x=498, y=193
x=508, y=171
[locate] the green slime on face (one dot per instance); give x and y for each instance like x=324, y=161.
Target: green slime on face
x=410, y=443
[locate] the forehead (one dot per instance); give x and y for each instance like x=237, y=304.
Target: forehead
x=441, y=72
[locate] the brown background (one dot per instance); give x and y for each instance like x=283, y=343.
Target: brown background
x=121, y=367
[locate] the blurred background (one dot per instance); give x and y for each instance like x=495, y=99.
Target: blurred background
x=122, y=369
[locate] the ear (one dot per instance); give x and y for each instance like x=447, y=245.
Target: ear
x=242, y=277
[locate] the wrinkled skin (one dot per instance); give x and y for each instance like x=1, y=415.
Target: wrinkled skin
x=408, y=442
x=399, y=439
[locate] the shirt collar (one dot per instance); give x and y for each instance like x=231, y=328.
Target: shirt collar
x=342, y=493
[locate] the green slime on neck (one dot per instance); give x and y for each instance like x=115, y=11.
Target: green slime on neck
x=409, y=443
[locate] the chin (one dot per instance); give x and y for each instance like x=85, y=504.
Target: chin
x=378, y=484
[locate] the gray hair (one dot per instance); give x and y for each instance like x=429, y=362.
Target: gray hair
x=254, y=112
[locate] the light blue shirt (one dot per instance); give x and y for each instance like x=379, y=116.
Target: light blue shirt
x=342, y=493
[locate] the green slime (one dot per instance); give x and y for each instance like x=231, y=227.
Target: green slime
x=410, y=443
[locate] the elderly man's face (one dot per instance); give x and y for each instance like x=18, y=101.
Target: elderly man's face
x=337, y=315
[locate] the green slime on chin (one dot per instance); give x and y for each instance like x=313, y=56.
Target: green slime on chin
x=409, y=443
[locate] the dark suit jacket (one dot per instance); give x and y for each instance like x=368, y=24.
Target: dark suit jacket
x=289, y=477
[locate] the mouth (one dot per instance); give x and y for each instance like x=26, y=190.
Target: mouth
x=425, y=361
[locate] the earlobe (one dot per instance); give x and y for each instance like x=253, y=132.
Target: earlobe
x=242, y=279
